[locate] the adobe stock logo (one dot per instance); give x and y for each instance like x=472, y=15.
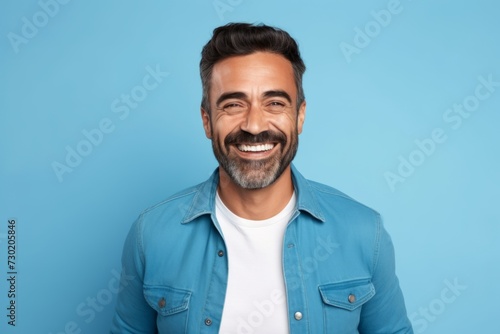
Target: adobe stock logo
x=94, y=137
x=31, y=26
x=454, y=116
x=436, y=307
x=326, y=246
x=262, y=309
x=371, y=30
x=89, y=309
x=223, y=6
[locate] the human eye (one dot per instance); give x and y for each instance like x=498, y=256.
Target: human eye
x=234, y=107
x=275, y=106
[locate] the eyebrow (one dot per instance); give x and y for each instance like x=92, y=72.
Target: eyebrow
x=278, y=93
x=231, y=95
x=243, y=96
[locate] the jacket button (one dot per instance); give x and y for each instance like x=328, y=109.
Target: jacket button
x=208, y=321
x=297, y=315
x=351, y=298
x=220, y=253
x=162, y=303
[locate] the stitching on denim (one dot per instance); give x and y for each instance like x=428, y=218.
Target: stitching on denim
x=170, y=199
x=377, y=244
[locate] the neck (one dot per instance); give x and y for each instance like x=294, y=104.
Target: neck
x=256, y=204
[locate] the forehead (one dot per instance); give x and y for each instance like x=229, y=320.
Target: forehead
x=252, y=74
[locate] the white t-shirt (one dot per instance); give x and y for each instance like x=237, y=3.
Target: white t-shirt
x=255, y=298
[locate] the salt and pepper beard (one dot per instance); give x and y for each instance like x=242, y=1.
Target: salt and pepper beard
x=255, y=174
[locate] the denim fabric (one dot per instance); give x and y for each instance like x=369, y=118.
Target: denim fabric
x=338, y=264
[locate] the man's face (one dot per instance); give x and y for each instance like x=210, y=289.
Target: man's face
x=253, y=121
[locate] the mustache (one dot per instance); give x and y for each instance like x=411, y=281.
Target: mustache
x=248, y=138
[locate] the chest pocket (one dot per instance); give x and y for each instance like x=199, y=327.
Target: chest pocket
x=342, y=303
x=171, y=305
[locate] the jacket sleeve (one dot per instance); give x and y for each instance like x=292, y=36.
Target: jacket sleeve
x=386, y=311
x=133, y=314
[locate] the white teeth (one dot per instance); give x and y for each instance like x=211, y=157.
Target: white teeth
x=255, y=148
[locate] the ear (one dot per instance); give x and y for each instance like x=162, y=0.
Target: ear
x=301, y=117
x=205, y=117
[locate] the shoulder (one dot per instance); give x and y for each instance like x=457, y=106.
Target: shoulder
x=179, y=199
x=325, y=199
x=344, y=213
x=330, y=194
x=171, y=212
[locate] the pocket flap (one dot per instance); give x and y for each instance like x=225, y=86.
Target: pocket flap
x=166, y=300
x=348, y=295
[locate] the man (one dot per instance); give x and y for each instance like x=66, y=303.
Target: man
x=257, y=248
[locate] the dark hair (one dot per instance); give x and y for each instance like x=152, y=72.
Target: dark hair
x=238, y=39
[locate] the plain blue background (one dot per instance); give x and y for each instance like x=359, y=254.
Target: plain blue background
x=365, y=111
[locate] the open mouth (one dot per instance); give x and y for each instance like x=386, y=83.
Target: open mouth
x=255, y=147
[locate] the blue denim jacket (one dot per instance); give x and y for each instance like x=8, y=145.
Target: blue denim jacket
x=338, y=264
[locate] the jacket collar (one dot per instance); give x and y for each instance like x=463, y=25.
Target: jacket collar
x=204, y=199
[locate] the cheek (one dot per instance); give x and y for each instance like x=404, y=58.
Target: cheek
x=285, y=123
x=221, y=128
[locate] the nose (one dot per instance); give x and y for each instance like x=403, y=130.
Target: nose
x=254, y=121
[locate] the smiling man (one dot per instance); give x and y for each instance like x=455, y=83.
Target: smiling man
x=258, y=248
